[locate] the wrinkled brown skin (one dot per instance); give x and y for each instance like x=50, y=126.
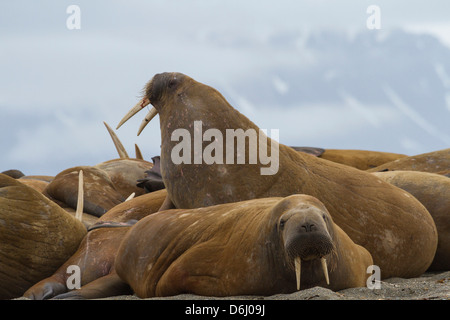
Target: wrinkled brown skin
x=433, y=162
x=433, y=191
x=236, y=249
x=124, y=173
x=96, y=255
x=105, y=185
x=36, y=237
x=37, y=184
x=359, y=159
x=396, y=228
x=100, y=194
x=40, y=183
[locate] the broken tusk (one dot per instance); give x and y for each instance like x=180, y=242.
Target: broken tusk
x=119, y=146
x=325, y=269
x=138, y=152
x=150, y=115
x=131, y=196
x=138, y=107
x=297, y=271
x=80, y=202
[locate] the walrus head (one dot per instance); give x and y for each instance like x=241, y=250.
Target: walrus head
x=307, y=234
x=154, y=93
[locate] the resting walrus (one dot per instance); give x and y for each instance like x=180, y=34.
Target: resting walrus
x=36, y=237
x=434, y=162
x=254, y=247
x=396, y=228
x=97, y=251
x=359, y=159
x=433, y=191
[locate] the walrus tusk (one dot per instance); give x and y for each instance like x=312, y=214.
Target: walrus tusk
x=131, y=196
x=80, y=202
x=325, y=269
x=138, y=152
x=138, y=107
x=297, y=271
x=119, y=146
x=150, y=115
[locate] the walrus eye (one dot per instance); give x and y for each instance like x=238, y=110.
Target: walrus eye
x=282, y=222
x=324, y=217
x=172, y=83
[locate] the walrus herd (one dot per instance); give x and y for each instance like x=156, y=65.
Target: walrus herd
x=260, y=219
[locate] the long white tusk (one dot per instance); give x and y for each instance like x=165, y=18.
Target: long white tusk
x=150, y=115
x=325, y=269
x=119, y=146
x=138, y=107
x=80, y=202
x=298, y=264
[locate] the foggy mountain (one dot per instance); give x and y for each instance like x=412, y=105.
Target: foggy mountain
x=372, y=90
x=395, y=85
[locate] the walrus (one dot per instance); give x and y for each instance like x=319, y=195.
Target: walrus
x=100, y=193
x=125, y=174
x=36, y=237
x=13, y=173
x=97, y=251
x=360, y=159
x=153, y=180
x=434, y=162
x=38, y=183
x=106, y=184
x=254, y=247
x=392, y=225
x=433, y=191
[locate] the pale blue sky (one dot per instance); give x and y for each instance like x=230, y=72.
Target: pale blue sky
x=57, y=86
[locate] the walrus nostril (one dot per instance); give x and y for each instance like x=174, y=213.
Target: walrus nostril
x=307, y=227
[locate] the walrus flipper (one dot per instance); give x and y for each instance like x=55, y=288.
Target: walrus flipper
x=106, y=286
x=47, y=291
x=153, y=180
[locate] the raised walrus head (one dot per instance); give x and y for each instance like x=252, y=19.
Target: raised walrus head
x=158, y=89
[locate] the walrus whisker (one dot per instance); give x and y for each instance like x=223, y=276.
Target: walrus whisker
x=80, y=202
x=298, y=265
x=138, y=107
x=325, y=270
x=150, y=115
x=119, y=146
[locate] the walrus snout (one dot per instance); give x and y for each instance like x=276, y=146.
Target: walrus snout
x=305, y=233
x=309, y=246
x=154, y=92
x=307, y=236
x=308, y=227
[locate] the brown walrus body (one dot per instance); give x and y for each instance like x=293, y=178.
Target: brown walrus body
x=36, y=237
x=433, y=162
x=359, y=159
x=241, y=248
x=433, y=191
x=396, y=228
x=96, y=253
x=106, y=184
x=124, y=173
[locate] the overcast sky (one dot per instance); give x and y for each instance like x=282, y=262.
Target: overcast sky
x=57, y=85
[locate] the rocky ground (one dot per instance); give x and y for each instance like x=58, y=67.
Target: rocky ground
x=430, y=286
